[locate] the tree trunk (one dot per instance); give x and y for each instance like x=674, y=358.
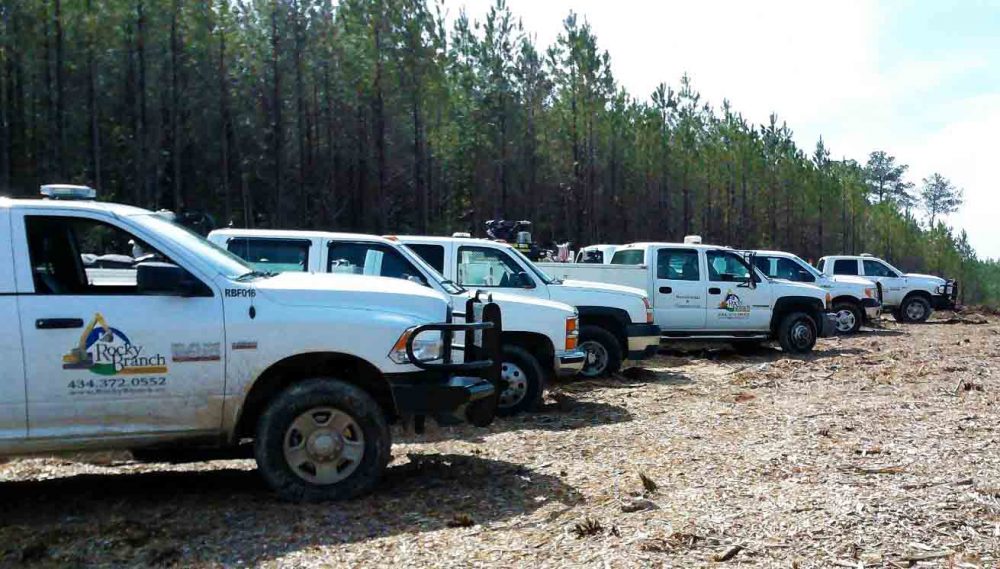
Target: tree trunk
x=144, y=190
x=378, y=112
x=224, y=133
x=60, y=142
x=92, y=111
x=176, y=127
x=277, y=126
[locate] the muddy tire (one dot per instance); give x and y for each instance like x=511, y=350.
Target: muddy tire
x=322, y=439
x=849, y=317
x=915, y=309
x=604, y=352
x=525, y=381
x=797, y=333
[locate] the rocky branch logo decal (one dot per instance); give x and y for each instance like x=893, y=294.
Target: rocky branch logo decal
x=732, y=307
x=104, y=350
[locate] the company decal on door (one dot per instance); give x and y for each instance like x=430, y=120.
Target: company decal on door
x=123, y=366
x=732, y=308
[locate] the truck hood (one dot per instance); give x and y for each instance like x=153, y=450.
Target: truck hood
x=594, y=287
x=788, y=288
x=851, y=280
x=527, y=303
x=926, y=278
x=354, y=292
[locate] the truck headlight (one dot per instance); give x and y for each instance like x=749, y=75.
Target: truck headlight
x=649, y=310
x=572, y=333
x=427, y=347
x=941, y=289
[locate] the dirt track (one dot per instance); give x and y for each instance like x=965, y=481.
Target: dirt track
x=879, y=450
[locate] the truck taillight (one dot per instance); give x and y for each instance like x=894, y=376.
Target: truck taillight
x=572, y=333
x=649, y=310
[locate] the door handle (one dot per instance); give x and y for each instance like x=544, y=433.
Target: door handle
x=666, y=290
x=715, y=290
x=58, y=323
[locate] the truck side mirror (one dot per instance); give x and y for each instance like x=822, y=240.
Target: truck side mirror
x=167, y=279
x=524, y=280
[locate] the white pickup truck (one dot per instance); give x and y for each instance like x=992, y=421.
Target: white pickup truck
x=539, y=337
x=910, y=297
x=710, y=292
x=190, y=354
x=855, y=300
x=616, y=322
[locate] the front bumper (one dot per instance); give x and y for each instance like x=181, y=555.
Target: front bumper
x=872, y=308
x=570, y=363
x=827, y=325
x=643, y=340
x=948, y=298
x=449, y=400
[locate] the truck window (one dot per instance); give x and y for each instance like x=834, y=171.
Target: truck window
x=433, y=254
x=372, y=259
x=75, y=255
x=877, y=269
x=845, y=267
x=486, y=267
x=628, y=257
x=277, y=255
x=677, y=265
x=726, y=267
x=782, y=268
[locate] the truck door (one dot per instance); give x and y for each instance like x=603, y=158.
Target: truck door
x=102, y=357
x=734, y=305
x=893, y=283
x=13, y=414
x=679, y=290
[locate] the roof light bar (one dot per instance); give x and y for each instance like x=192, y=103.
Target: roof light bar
x=68, y=192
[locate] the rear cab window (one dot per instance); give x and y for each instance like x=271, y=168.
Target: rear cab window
x=276, y=255
x=629, y=257
x=845, y=267
x=433, y=254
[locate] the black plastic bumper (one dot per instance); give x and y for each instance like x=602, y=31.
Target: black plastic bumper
x=943, y=302
x=643, y=340
x=449, y=400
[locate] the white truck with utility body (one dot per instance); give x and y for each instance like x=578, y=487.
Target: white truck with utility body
x=855, y=300
x=539, y=339
x=910, y=297
x=708, y=292
x=616, y=322
x=190, y=354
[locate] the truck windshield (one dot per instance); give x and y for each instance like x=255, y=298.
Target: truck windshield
x=223, y=261
x=812, y=270
x=538, y=272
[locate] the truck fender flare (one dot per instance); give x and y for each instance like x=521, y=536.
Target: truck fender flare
x=615, y=320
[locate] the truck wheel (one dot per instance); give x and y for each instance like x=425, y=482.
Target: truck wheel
x=915, y=309
x=797, y=333
x=849, y=317
x=322, y=439
x=525, y=381
x=604, y=353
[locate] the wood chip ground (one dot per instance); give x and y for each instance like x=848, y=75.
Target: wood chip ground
x=879, y=450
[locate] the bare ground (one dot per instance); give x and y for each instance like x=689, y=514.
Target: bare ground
x=879, y=450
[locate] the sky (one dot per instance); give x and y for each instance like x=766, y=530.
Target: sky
x=918, y=79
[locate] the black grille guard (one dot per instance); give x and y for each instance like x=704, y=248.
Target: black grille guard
x=447, y=365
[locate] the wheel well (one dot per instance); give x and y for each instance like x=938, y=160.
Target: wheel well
x=811, y=306
x=280, y=375
x=609, y=323
x=537, y=345
x=921, y=293
x=846, y=298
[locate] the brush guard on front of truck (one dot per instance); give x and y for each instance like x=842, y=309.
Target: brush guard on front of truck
x=452, y=390
x=947, y=297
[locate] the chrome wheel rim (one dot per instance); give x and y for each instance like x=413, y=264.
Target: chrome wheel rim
x=802, y=334
x=517, y=385
x=915, y=310
x=846, y=320
x=597, y=359
x=324, y=446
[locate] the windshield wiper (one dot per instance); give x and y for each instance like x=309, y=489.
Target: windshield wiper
x=255, y=275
